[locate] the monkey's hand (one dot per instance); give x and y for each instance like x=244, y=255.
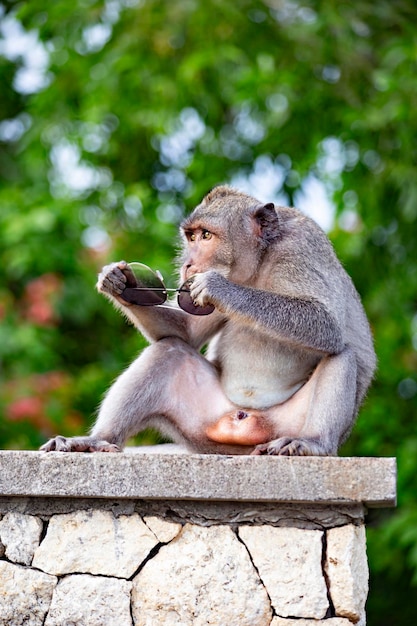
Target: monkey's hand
x=287, y=446
x=205, y=288
x=78, y=444
x=114, y=278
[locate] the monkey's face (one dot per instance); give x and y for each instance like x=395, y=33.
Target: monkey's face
x=234, y=252
x=227, y=232
x=203, y=250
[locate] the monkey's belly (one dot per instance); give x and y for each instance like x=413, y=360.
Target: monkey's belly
x=259, y=380
x=251, y=397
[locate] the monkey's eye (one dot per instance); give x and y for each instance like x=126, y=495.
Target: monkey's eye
x=191, y=236
x=206, y=234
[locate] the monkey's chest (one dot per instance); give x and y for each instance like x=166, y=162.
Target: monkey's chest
x=259, y=373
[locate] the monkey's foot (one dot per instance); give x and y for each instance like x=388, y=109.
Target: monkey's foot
x=286, y=446
x=78, y=444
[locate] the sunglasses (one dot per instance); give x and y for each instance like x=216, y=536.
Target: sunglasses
x=146, y=288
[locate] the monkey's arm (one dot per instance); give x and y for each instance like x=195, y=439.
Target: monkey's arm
x=156, y=322
x=160, y=322
x=304, y=321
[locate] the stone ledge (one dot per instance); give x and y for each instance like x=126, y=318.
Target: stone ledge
x=167, y=472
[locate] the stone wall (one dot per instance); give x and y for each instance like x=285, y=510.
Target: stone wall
x=236, y=552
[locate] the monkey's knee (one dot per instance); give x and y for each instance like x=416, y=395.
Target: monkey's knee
x=174, y=362
x=170, y=348
x=165, y=355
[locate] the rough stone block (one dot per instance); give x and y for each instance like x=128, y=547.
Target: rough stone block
x=25, y=595
x=90, y=601
x=347, y=570
x=333, y=621
x=20, y=535
x=204, y=576
x=94, y=542
x=289, y=563
x=164, y=531
x=141, y=475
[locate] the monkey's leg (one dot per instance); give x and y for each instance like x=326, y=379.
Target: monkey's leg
x=170, y=386
x=325, y=409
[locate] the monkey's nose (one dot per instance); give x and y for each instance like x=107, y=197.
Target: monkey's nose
x=190, y=271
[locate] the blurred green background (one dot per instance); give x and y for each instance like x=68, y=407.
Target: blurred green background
x=117, y=116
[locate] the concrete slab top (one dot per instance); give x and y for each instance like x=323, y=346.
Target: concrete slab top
x=168, y=472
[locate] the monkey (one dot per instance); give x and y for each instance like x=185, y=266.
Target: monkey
x=280, y=366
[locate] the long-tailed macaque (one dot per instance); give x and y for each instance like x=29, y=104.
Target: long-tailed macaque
x=290, y=353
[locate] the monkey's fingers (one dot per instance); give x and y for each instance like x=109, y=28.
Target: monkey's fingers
x=113, y=278
x=114, y=283
x=199, y=288
x=130, y=279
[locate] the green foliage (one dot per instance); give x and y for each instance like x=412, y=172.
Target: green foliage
x=141, y=106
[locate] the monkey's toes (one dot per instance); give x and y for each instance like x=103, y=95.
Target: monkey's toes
x=286, y=446
x=78, y=444
x=56, y=444
x=102, y=446
x=300, y=447
x=260, y=449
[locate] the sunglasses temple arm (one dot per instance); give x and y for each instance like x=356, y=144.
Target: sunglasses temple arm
x=165, y=289
x=151, y=289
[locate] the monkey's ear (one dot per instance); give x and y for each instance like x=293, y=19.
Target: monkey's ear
x=267, y=225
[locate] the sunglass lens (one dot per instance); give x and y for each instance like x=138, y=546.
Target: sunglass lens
x=149, y=290
x=187, y=304
x=147, y=297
